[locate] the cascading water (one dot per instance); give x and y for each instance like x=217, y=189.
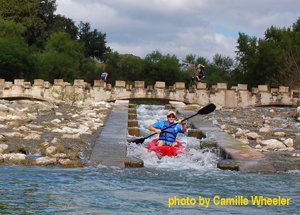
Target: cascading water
x=195, y=158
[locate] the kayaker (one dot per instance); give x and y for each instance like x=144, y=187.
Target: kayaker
x=168, y=136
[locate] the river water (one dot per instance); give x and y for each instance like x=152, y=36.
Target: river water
x=184, y=180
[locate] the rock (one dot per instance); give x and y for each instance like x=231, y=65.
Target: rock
x=228, y=164
x=55, y=141
x=2, y=137
x=56, y=121
x=50, y=151
x=45, y=161
x=65, y=162
x=279, y=134
x=272, y=144
x=258, y=146
x=13, y=134
x=240, y=132
x=32, y=136
x=3, y=147
x=252, y=136
x=265, y=130
x=45, y=144
x=297, y=142
x=288, y=142
x=60, y=155
x=14, y=157
x=204, y=144
x=244, y=140
x=71, y=136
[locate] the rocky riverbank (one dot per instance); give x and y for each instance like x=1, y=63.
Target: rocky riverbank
x=43, y=133
x=274, y=131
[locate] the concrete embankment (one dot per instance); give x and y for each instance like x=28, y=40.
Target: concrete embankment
x=110, y=148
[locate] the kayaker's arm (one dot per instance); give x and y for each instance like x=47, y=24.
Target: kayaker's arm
x=151, y=128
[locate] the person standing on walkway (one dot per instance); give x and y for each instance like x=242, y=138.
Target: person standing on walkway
x=103, y=76
x=200, y=73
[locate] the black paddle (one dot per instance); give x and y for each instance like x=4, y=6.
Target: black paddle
x=205, y=110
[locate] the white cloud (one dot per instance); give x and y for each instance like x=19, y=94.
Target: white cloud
x=180, y=27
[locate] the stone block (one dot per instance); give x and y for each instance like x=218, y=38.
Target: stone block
x=38, y=82
x=274, y=90
x=19, y=82
x=133, y=131
x=139, y=84
x=201, y=86
x=221, y=86
x=58, y=82
x=228, y=164
x=196, y=133
x=120, y=84
x=132, y=110
x=47, y=84
x=230, y=98
x=79, y=83
x=132, y=123
x=180, y=85
x=27, y=85
x=160, y=85
x=283, y=89
x=263, y=88
x=108, y=87
x=254, y=90
x=132, y=116
x=99, y=83
x=2, y=82
x=8, y=85
x=242, y=87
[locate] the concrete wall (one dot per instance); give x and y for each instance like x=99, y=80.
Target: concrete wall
x=237, y=96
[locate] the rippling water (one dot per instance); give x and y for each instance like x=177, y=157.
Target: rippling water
x=103, y=190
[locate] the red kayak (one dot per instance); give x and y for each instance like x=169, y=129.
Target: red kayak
x=165, y=150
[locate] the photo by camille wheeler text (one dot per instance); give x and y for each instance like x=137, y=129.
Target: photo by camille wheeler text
x=229, y=201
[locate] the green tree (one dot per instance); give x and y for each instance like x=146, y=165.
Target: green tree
x=61, y=59
x=165, y=68
x=35, y=15
x=94, y=41
x=16, y=60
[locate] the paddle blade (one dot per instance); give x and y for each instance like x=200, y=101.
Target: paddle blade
x=138, y=141
x=207, y=109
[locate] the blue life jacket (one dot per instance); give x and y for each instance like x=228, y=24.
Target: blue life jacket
x=168, y=135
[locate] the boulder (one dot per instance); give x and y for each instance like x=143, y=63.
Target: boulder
x=228, y=164
x=272, y=144
x=45, y=161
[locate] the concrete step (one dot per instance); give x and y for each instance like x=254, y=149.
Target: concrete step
x=111, y=144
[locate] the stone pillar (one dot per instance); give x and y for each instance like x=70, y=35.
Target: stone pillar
x=139, y=84
x=58, y=82
x=120, y=84
x=19, y=82
x=230, y=98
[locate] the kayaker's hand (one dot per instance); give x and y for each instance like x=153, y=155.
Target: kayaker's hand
x=181, y=122
x=157, y=131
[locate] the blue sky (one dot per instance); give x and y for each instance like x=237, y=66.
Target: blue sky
x=180, y=27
